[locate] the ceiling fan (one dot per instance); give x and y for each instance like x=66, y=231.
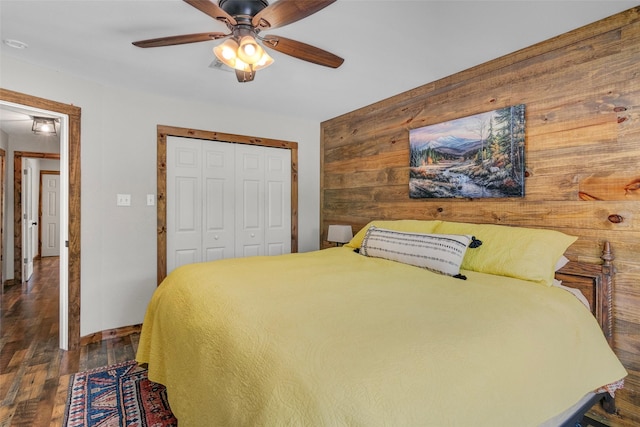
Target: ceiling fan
x=246, y=19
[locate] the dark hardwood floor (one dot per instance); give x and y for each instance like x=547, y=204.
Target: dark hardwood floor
x=34, y=372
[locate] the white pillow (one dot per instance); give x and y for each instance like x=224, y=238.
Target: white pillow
x=561, y=262
x=442, y=253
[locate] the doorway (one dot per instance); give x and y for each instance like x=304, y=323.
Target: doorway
x=22, y=252
x=70, y=208
x=3, y=157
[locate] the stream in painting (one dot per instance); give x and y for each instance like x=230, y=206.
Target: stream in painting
x=440, y=181
x=463, y=186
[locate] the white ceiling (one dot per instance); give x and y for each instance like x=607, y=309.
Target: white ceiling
x=388, y=46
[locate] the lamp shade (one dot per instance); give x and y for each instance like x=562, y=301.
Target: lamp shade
x=339, y=233
x=249, y=50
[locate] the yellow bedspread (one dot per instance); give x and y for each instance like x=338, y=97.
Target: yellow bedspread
x=333, y=338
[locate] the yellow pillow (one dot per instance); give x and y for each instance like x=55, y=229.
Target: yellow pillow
x=407, y=225
x=525, y=253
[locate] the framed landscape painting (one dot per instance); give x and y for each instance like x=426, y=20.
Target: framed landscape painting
x=479, y=156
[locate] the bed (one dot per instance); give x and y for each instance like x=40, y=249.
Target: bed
x=366, y=334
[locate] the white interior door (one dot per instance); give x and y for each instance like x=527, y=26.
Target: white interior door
x=200, y=196
x=218, y=198
x=184, y=210
x=50, y=217
x=277, y=201
x=263, y=205
x=28, y=221
x=249, y=175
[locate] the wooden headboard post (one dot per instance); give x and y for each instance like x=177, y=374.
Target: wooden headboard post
x=608, y=402
x=596, y=283
x=606, y=300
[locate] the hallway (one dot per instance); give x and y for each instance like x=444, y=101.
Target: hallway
x=34, y=372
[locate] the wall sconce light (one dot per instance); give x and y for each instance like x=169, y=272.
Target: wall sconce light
x=44, y=126
x=339, y=234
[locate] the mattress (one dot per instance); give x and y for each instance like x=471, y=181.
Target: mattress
x=332, y=337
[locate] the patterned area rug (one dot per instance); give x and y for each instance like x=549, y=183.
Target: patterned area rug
x=117, y=396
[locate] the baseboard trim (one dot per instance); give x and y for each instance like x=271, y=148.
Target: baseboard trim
x=110, y=334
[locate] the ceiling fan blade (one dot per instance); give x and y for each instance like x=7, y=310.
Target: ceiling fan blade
x=213, y=10
x=302, y=51
x=284, y=12
x=183, y=39
x=245, y=76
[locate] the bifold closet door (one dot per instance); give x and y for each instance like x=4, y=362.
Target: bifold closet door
x=226, y=200
x=277, y=232
x=200, y=201
x=263, y=200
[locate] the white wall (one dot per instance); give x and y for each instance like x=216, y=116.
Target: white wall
x=118, y=155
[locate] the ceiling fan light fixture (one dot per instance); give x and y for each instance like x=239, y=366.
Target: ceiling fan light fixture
x=241, y=65
x=235, y=55
x=264, y=61
x=250, y=51
x=227, y=52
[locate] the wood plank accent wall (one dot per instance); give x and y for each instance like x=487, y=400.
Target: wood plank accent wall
x=582, y=96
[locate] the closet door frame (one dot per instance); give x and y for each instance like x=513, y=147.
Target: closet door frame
x=164, y=131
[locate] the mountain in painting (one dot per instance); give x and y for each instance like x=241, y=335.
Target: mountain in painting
x=451, y=145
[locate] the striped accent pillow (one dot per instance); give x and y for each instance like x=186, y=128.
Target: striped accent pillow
x=441, y=253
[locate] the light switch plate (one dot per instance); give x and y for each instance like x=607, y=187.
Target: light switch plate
x=151, y=199
x=123, y=200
